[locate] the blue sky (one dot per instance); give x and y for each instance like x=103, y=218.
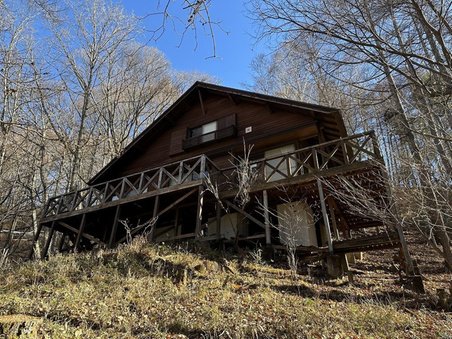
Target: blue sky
x=235, y=46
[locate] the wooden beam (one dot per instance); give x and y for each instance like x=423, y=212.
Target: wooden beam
x=199, y=211
x=80, y=232
x=178, y=237
x=114, y=228
x=339, y=213
x=155, y=212
x=333, y=217
x=125, y=200
x=49, y=239
x=249, y=216
x=202, y=102
x=234, y=101
x=268, y=240
x=84, y=235
x=325, y=216
x=157, y=215
x=304, y=179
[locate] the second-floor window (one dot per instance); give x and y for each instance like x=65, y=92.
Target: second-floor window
x=204, y=132
x=222, y=128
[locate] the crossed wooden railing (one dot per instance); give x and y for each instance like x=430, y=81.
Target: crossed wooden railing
x=171, y=175
x=310, y=160
x=313, y=159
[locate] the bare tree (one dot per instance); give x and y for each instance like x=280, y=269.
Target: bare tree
x=67, y=109
x=397, y=57
x=195, y=17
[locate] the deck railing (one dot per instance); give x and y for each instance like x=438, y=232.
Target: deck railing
x=309, y=160
x=313, y=159
x=167, y=176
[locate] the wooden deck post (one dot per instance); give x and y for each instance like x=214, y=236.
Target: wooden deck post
x=49, y=239
x=333, y=218
x=35, y=240
x=199, y=211
x=268, y=240
x=325, y=216
x=114, y=228
x=80, y=232
x=155, y=212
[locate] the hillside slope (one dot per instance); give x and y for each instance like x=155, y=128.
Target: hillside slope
x=150, y=291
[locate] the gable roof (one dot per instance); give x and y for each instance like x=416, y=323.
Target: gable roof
x=327, y=115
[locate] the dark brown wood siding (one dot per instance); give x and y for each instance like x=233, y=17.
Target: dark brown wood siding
x=269, y=126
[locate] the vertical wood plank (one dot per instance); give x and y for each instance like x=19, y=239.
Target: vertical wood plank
x=201, y=102
x=114, y=228
x=140, y=185
x=203, y=166
x=181, y=171
x=199, y=211
x=155, y=213
x=80, y=232
x=325, y=216
x=333, y=218
x=268, y=240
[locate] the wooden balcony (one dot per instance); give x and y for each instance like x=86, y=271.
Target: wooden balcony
x=338, y=155
x=137, y=186
x=219, y=134
x=304, y=164
x=153, y=193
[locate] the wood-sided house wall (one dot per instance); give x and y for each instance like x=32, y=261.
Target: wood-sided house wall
x=266, y=125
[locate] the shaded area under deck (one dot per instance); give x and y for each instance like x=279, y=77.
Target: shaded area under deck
x=173, y=200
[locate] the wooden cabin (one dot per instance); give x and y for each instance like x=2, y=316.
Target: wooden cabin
x=178, y=179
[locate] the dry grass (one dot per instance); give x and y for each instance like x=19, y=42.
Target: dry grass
x=149, y=291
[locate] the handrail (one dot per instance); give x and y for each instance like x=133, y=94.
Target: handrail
x=334, y=153
x=370, y=133
x=343, y=151
x=168, y=175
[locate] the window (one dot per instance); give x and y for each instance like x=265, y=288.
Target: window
x=204, y=132
x=211, y=131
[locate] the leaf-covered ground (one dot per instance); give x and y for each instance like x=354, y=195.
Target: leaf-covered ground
x=150, y=291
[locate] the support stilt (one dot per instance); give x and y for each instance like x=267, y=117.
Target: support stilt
x=268, y=240
x=199, y=212
x=115, y=227
x=80, y=232
x=155, y=212
x=333, y=218
x=325, y=216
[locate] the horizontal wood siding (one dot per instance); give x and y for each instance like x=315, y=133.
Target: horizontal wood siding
x=265, y=123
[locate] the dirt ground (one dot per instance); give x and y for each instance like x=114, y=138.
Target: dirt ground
x=378, y=277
